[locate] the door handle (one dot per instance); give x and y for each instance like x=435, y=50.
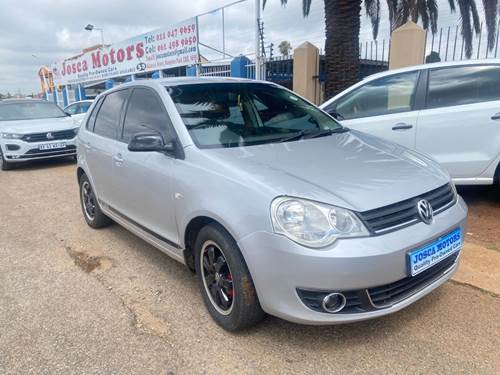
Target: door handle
x=118, y=159
x=496, y=116
x=402, y=126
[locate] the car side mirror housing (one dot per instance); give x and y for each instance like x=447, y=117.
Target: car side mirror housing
x=149, y=142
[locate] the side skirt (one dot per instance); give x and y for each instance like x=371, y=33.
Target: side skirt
x=166, y=246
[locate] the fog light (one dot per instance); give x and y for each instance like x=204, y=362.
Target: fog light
x=334, y=302
x=13, y=147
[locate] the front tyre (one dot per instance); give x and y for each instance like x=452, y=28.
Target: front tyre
x=4, y=164
x=224, y=280
x=92, y=213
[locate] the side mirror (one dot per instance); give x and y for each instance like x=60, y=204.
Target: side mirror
x=335, y=115
x=147, y=142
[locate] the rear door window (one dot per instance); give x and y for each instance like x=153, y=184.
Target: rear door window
x=463, y=85
x=107, y=123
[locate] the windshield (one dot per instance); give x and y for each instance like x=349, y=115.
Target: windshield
x=29, y=111
x=243, y=114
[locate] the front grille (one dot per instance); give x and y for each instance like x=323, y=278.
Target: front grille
x=49, y=136
x=404, y=213
x=390, y=294
x=380, y=297
x=36, y=153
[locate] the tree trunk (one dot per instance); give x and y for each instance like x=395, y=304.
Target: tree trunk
x=342, y=19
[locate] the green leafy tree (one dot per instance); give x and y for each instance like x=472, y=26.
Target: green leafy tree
x=285, y=47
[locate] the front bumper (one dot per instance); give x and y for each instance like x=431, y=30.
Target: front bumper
x=17, y=151
x=279, y=267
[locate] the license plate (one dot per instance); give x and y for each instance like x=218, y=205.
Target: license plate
x=425, y=257
x=52, y=146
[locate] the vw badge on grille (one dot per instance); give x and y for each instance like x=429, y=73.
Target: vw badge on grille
x=49, y=136
x=425, y=211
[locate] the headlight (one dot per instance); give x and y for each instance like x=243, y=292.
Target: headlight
x=314, y=224
x=12, y=136
x=75, y=130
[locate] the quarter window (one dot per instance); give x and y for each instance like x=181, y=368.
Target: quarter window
x=380, y=97
x=107, y=122
x=146, y=113
x=91, y=120
x=463, y=85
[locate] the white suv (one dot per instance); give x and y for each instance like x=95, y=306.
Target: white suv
x=450, y=111
x=34, y=129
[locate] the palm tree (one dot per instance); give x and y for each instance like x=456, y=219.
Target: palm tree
x=342, y=27
x=285, y=47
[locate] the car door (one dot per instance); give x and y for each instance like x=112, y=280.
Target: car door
x=385, y=107
x=102, y=141
x=142, y=181
x=460, y=125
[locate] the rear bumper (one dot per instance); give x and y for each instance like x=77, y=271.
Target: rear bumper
x=279, y=267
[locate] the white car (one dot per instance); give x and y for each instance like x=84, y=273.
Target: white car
x=79, y=109
x=34, y=129
x=450, y=111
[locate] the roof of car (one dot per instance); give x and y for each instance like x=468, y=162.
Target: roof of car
x=435, y=65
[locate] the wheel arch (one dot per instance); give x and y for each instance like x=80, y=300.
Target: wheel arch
x=79, y=173
x=192, y=229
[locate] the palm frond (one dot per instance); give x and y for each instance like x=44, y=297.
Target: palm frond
x=392, y=5
x=306, y=6
x=490, y=14
x=466, y=25
x=373, y=12
x=452, y=5
x=475, y=16
x=432, y=6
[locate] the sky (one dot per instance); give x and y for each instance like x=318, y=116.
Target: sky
x=39, y=32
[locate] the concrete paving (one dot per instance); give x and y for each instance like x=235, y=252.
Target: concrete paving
x=77, y=300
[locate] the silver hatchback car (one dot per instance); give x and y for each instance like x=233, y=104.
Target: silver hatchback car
x=274, y=205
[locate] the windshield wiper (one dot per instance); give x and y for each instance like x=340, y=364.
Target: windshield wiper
x=307, y=134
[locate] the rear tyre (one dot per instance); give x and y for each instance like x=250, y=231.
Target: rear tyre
x=92, y=213
x=224, y=280
x=4, y=164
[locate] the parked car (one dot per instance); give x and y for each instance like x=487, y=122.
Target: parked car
x=450, y=111
x=275, y=205
x=77, y=110
x=32, y=129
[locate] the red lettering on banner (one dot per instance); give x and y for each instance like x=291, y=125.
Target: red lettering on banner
x=129, y=52
x=112, y=55
x=105, y=59
x=139, y=50
x=96, y=59
x=120, y=55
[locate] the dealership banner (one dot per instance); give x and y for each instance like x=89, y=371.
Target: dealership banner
x=159, y=49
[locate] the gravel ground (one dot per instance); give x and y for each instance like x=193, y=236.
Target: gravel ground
x=77, y=300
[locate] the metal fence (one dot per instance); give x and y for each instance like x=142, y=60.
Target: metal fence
x=448, y=44
x=280, y=70
x=216, y=69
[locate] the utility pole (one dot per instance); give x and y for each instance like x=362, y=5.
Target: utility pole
x=257, y=40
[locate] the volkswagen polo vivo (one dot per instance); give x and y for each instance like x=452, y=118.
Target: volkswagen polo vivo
x=32, y=129
x=275, y=206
